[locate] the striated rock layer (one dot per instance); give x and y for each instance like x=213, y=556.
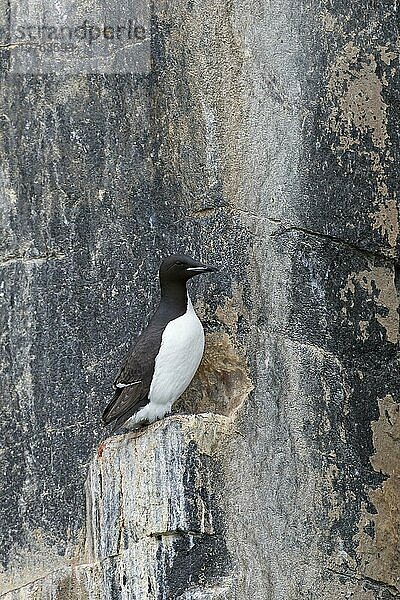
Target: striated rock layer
x=155, y=523
x=155, y=527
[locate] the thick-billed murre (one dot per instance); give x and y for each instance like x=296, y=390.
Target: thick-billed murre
x=166, y=355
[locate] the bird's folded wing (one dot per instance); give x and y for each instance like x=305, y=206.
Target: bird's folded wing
x=126, y=400
x=133, y=382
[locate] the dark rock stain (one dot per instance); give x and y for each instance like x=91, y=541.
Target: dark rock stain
x=196, y=557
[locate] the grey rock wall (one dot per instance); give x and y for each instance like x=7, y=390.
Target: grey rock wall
x=264, y=140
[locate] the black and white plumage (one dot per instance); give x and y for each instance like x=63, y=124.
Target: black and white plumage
x=166, y=355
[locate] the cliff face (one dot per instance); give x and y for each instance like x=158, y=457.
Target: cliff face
x=264, y=140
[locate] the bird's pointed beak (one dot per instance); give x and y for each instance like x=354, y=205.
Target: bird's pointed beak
x=210, y=269
x=202, y=269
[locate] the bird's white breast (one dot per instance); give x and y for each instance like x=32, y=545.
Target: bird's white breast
x=181, y=350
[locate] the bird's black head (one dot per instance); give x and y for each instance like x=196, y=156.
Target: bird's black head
x=181, y=268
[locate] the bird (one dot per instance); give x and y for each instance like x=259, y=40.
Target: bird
x=166, y=354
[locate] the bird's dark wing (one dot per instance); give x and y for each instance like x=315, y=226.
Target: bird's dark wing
x=133, y=382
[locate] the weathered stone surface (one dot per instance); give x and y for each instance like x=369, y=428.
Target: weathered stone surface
x=158, y=531
x=265, y=140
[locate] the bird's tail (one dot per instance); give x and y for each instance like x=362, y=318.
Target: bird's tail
x=107, y=416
